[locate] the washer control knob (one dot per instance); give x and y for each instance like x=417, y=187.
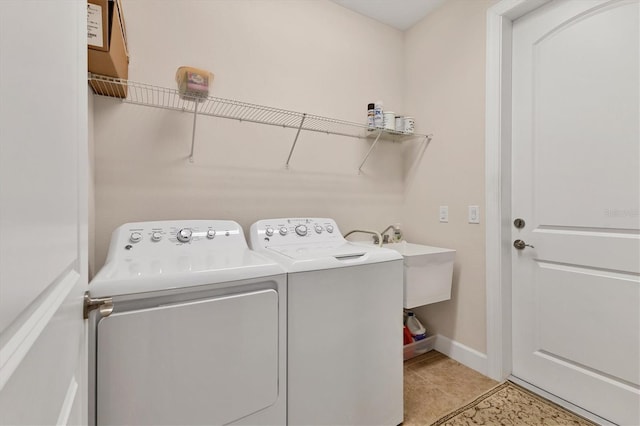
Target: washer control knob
x=301, y=230
x=184, y=235
x=211, y=234
x=269, y=232
x=283, y=231
x=318, y=229
x=156, y=236
x=135, y=237
x=329, y=229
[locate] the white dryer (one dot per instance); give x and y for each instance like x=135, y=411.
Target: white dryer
x=344, y=323
x=191, y=328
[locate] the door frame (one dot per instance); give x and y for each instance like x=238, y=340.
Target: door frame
x=498, y=248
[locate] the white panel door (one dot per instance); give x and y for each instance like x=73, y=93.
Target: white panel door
x=576, y=184
x=43, y=255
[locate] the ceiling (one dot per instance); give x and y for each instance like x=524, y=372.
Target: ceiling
x=400, y=14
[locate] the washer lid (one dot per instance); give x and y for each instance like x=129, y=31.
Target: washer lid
x=309, y=244
x=299, y=252
x=301, y=257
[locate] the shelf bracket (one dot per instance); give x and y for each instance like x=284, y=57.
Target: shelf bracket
x=295, y=140
x=193, y=132
x=364, y=160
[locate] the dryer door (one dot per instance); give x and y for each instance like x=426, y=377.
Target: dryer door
x=210, y=361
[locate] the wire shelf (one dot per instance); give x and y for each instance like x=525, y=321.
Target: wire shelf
x=165, y=98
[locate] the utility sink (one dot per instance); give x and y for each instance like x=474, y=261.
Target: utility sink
x=428, y=273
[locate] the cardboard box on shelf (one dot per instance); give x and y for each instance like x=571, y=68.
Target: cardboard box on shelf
x=107, y=45
x=97, y=26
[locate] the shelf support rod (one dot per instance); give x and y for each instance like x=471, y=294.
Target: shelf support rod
x=364, y=160
x=295, y=140
x=193, y=132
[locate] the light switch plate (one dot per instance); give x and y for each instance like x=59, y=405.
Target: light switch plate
x=444, y=214
x=474, y=214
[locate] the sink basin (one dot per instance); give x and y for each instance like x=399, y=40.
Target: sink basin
x=428, y=273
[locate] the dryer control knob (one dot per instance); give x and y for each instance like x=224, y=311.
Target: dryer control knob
x=135, y=237
x=269, y=232
x=301, y=230
x=184, y=235
x=318, y=229
x=283, y=231
x=211, y=234
x=156, y=236
x=329, y=229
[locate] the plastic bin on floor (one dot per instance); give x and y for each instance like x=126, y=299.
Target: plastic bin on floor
x=419, y=347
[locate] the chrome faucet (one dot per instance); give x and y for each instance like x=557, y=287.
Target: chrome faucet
x=397, y=234
x=376, y=235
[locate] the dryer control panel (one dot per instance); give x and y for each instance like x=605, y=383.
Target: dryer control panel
x=286, y=231
x=153, y=238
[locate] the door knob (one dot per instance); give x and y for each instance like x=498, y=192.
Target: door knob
x=519, y=223
x=519, y=244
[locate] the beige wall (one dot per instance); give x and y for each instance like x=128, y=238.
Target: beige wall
x=316, y=57
x=309, y=56
x=445, y=71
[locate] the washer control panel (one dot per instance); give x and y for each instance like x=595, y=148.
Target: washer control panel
x=284, y=231
x=152, y=237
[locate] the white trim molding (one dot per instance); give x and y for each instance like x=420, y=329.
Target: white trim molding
x=15, y=348
x=67, y=405
x=498, y=181
x=461, y=353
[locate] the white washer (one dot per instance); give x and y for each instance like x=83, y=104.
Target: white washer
x=344, y=323
x=198, y=329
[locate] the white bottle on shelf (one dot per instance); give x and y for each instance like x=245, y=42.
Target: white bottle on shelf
x=417, y=330
x=389, y=121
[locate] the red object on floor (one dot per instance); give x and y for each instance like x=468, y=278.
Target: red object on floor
x=407, y=336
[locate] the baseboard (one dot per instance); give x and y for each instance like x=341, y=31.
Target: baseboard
x=461, y=353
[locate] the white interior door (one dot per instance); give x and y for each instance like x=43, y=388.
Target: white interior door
x=43, y=212
x=576, y=185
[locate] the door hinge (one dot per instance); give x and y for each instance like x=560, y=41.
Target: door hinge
x=104, y=304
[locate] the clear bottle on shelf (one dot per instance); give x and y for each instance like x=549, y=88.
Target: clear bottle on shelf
x=371, y=124
x=378, y=117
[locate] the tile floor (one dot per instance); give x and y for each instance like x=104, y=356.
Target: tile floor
x=434, y=384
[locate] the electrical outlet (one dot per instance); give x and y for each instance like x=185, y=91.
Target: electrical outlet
x=474, y=214
x=444, y=214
